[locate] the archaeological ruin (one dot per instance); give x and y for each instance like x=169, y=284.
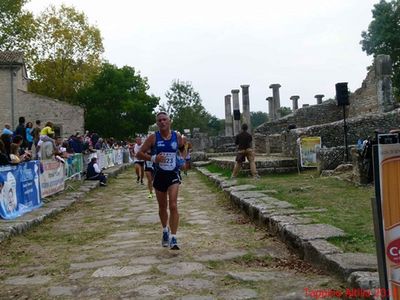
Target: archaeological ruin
x=371, y=108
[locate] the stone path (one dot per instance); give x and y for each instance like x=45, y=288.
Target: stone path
x=108, y=247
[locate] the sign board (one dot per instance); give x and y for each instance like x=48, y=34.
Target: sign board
x=389, y=184
x=308, y=150
x=19, y=189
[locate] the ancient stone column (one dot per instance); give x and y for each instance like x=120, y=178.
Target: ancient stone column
x=228, y=116
x=383, y=71
x=246, y=106
x=295, y=102
x=319, y=98
x=277, y=101
x=270, y=108
x=236, y=111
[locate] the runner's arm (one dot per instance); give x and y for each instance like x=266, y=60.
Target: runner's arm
x=146, y=147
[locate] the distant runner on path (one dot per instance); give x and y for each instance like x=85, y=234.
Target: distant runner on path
x=139, y=164
x=165, y=144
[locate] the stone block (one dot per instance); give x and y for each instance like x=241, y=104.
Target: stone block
x=315, y=250
x=347, y=263
x=364, y=280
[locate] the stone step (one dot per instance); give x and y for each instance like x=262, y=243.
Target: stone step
x=264, y=165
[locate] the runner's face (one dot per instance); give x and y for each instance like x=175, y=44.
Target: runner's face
x=163, y=121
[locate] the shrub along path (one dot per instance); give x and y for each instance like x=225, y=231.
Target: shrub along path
x=108, y=247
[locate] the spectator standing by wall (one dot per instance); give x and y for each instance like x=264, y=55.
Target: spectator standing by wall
x=36, y=132
x=7, y=129
x=7, y=140
x=29, y=137
x=243, y=142
x=21, y=130
x=4, y=158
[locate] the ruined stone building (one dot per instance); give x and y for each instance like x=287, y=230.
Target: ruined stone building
x=371, y=107
x=16, y=101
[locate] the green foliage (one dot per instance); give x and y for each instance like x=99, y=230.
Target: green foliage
x=284, y=111
x=383, y=36
x=17, y=27
x=65, y=54
x=116, y=102
x=186, y=110
x=257, y=118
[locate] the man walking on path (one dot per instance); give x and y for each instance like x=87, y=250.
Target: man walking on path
x=165, y=144
x=243, y=142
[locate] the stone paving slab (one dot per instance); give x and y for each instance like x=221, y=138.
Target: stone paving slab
x=309, y=240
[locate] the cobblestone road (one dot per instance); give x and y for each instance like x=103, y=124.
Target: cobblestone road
x=108, y=247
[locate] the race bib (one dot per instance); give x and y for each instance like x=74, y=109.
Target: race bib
x=169, y=163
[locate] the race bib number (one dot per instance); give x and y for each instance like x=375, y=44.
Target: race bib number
x=169, y=163
x=149, y=164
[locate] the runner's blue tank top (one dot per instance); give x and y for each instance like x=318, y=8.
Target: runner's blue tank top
x=169, y=149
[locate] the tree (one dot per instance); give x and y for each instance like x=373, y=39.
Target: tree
x=383, y=36
x=257, y=118
x=185, y=107
x=65, y=54
x=116, y=102
x=284, y=111
x=17, y=26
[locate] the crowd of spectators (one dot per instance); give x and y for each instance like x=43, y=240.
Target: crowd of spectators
x=25, y=142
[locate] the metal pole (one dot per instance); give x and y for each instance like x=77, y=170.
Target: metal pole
x=12, y=98
x=377, y=218
x=346, y=152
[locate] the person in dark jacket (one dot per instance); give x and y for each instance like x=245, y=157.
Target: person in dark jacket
x=4, y=158
x=243, y=142
x=21, y=130
x=93, y=172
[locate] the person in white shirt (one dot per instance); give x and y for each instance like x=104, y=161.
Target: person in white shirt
x=94, y=173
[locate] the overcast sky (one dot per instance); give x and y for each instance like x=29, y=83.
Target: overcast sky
x=305, y=45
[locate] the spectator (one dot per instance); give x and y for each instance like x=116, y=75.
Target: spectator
x=4, y=158
x=76, y=143
x=7, y=140
x=243, y=141
x=367, y=159
x=20, y=130
x=94, y=138
x=29, y=137
x=99, y=144
x=17, y=139
x=35, y=132
x=93, y=172
x=7, y=129
x=17, y=150
x=46, y=135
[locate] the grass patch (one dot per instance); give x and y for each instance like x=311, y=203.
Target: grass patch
x=348, y=207
x=216, y=169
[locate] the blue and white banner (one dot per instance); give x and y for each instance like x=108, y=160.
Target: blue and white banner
x=19, y=189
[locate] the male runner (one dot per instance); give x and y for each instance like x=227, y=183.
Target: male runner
x=164, y=145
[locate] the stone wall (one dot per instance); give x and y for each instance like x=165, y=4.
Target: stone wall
x=332, y=135
x=330, y=158
x=364, y=100
x=5, y=97
x=323, y=113
x=202, y=142
x=69, y=118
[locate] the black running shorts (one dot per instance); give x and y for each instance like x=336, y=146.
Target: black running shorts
x=164, y=179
